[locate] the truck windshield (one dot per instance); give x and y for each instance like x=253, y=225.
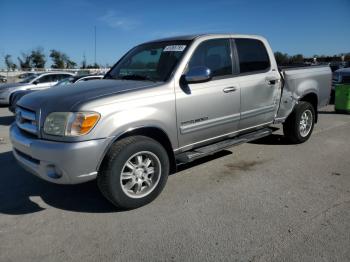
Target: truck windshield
x=149, y=62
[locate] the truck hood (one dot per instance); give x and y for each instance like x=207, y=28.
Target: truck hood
x=65, y=98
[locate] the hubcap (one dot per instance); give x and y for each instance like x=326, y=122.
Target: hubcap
x=305, y=123
x=140, y=174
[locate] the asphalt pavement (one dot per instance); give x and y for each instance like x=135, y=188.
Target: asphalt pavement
x=263, y=201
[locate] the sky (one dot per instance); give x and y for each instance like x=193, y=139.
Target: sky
x=308, y=27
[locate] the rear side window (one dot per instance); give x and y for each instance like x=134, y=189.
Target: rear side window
x=60, y=77
x=252, y=55
x=46, y=79
x=56, y=78
x=214, y=54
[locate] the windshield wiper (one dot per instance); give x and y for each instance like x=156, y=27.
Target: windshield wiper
x=137, y=77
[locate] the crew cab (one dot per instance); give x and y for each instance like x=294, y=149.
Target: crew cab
x=165, y=103
x=38, y=81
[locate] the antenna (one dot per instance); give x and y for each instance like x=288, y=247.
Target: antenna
x=95, y=45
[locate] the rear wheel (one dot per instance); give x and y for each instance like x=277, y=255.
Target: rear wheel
x=134, y=172
x=299, y=125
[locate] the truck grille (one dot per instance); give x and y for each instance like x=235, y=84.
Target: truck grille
x=26, y=120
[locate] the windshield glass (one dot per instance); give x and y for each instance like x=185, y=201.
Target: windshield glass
x=28, y=79
x=151, y=62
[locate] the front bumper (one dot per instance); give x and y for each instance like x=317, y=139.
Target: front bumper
x=58, y=162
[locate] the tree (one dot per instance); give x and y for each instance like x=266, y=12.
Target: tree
x=9, y=64
x=70, y=64
x=347, y=57
x=61, y=60
x=297, y=59
x=93, y=66
x=38, y=58
x=25, y=63
x=57, y=59
x=281, y=59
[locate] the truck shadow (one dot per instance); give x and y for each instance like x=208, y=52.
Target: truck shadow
x=6, y=120
x=24, y=193
x=20, y=192
x=332, y=113
x=274, y=139
x=202, y=160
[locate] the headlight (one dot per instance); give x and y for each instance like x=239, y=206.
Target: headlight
x=70, y=124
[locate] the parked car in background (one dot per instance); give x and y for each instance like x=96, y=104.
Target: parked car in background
x=340, y=76
x=3, y=79
x=37, y=81
x=166, y=102
x=67, y=81
x=338, y=65
x=78, y=78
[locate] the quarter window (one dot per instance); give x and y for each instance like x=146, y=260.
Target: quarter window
x=252, y=55
x=214, y=54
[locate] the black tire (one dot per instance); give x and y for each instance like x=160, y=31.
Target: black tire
x=291, y=127
x=109, y=178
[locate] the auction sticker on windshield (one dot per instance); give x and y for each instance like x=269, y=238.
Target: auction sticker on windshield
x=174, y=48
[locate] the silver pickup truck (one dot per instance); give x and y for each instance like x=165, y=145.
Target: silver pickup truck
x=164, y=103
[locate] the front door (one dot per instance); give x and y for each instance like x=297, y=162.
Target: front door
x=211, y=109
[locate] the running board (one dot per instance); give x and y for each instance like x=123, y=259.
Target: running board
x=194, y=154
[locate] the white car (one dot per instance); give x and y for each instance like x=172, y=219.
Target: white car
x=37, y=81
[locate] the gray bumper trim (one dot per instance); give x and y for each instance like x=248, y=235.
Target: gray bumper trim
x=58, y=162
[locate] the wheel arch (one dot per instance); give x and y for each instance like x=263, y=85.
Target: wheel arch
x=312, y=98
x=155, y=133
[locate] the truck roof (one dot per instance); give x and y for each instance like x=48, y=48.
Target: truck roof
x=194, y=36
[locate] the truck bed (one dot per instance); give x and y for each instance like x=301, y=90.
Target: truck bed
x=301, y=81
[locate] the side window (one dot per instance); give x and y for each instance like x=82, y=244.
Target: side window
x=214, y=54
x=64, y=76
x=252, y=55
x=45, y=79
x=59, y=77
x=55, y=78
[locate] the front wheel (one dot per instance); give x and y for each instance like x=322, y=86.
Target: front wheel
x=134, y=172
x=299, y=125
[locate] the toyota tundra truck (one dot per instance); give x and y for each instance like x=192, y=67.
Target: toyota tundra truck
x=164, y=103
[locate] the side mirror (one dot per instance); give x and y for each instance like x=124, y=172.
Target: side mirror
x=36, y=82
x=198, y=75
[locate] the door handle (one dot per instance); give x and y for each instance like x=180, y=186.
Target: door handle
x=272, y=80
x=229, y=89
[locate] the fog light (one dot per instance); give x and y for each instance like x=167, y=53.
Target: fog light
x=53, y=172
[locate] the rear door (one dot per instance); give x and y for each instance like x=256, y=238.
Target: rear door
x=259, y=83
x=211, y=109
